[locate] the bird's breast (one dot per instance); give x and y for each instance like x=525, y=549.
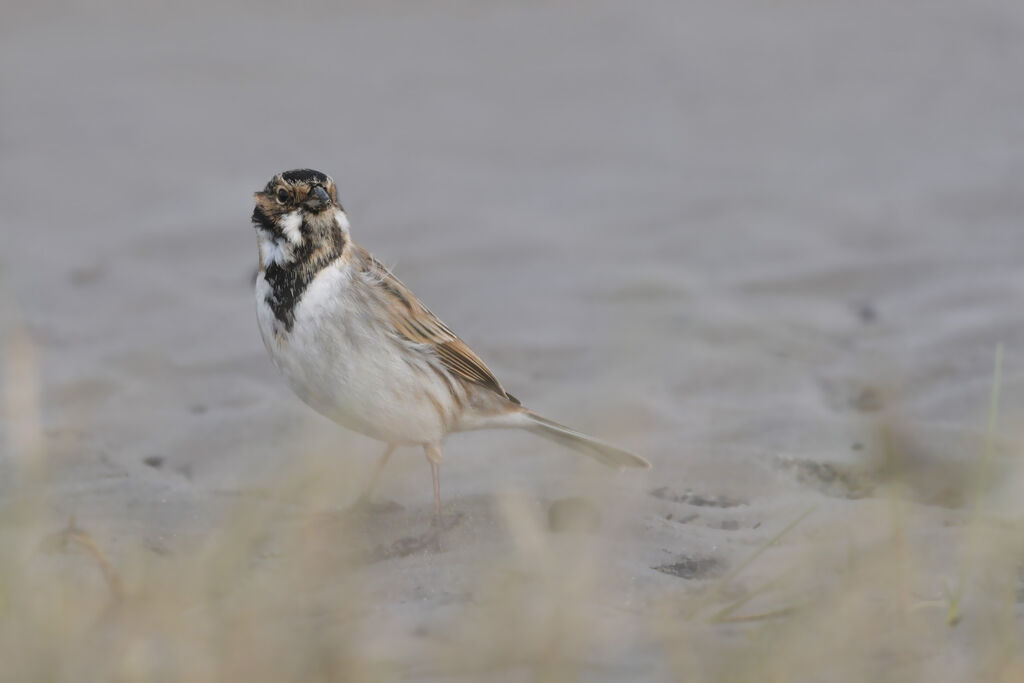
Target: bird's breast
x=341, y=360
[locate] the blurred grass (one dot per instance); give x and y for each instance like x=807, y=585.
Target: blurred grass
x=853, y=597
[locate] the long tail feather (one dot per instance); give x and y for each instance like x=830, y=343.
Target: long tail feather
x=603, y=452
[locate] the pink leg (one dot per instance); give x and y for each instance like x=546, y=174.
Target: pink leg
x=433, y=454
x=365, y=496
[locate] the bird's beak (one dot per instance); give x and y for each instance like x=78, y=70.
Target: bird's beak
x=318, y=199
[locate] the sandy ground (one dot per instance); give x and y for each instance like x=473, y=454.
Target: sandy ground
x=732, y=236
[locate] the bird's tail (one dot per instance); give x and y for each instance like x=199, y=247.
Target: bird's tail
x=603, y=452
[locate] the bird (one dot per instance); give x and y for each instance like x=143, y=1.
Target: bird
x=356, y=345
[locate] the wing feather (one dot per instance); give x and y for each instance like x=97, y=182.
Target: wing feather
x=414, y=322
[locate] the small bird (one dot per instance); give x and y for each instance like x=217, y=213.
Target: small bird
x=358, y=346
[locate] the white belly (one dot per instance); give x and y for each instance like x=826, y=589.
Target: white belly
x=348, y=366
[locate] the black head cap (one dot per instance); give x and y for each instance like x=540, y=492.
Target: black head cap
x=304, y=175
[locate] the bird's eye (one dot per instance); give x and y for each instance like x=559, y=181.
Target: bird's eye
x=282, y=195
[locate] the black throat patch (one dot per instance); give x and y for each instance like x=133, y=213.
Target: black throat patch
x=288, y=281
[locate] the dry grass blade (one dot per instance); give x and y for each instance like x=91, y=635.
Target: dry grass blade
x=73, y=535
x=717, y=590
x=982, y=476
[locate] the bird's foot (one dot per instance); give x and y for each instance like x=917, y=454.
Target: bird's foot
x=442, y=522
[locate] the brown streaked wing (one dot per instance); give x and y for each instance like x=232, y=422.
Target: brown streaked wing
x=414, y=322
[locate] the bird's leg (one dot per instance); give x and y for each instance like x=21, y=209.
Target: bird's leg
x=433, y=454
x=435, y=470
x=364, y=498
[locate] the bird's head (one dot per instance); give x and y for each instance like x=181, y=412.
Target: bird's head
x=298, y=211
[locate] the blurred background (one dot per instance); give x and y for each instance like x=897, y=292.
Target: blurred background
x=765, y=245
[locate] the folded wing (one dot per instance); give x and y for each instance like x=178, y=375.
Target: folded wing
x=414, y=322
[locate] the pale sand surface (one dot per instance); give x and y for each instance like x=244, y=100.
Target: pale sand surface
x=727, y=235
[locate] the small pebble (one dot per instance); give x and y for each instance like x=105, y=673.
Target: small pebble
x=154, y=461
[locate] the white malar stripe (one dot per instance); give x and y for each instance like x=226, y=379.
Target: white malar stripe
x=273, y=251
x=342, y=219
x=290, y=223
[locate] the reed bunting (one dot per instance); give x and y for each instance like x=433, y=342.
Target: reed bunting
x=359, y=347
